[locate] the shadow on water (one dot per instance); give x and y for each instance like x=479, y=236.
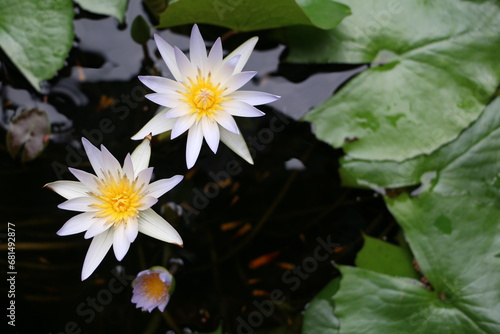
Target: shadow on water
x=284, y=207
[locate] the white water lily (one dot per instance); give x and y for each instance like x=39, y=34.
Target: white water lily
x=204, y=96
x=153, y=288
x=116, y=203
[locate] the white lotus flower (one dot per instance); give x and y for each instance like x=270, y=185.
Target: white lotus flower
x=204, y=98
x=153, y=288
x=116, y=204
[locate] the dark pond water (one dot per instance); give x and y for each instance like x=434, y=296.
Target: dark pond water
x=286, y=205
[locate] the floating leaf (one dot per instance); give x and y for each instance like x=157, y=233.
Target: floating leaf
x=383, y=257
x=36, y=35
x=116, y=8
x=452, y=225
x=28, y=134
x=319, y=317
x=435, y=67
x=241, y=15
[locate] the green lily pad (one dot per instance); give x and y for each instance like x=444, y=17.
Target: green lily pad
x=36, y=35
x=434, y=68
x=28, y=134
x=385, y=258
x=319, y=317
x=116, y=8
x=241, y=15
x=452, y=226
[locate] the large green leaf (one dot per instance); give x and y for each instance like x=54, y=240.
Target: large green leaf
x=241, y=15
x=36, y=35
x=319, y=318
x=452, y=224
x=435, y=67
x=116, y=8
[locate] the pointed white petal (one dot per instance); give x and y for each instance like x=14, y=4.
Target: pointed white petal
x=68, y=189
x=237, y=81
x=144, y=176
x=182, y=124
x=147, y=202
x=170, y=100
x=160, y=187
x=236, y=143
x=77, y=224
x=110, y=163
x=215, y=55
x=244, y=50
x=128, y=167
x=225, y=71
x=238, y=108
x=97, y=250
x=141, y=155
x=185, y=67
x=179, y=111
x=160, y=84
x=227, y=121
x=132, y=229
x=211, y=133
x=253, y=98
x=98, y=226
x=197, y=49
x=193, y=146
x=82, y=204
x=156, y=125
x=168, y=55
x=150, y=223
x=94, y=155
x=121, y=244
x=87, y=179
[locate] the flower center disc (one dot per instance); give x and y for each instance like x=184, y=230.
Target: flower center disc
x=154, y=287
x=119, y=200
x=204, y=99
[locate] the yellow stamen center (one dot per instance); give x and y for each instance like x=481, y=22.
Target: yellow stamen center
x=154, y=287
x=120, y=199
x=203, y=97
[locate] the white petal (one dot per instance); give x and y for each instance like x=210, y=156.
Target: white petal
x=253, y=98
x=237, y=81
x=185, y=67
x=170, y=100
x=227, y=121
x=128, y=167
x=168, y=55
x=97, y=250
x=141, y=155
x=182, y=124
x=132, y=229
x=77, y=224
x=156, y=125
x=194, y=141
x=98, y=226
x=147, y=202
x=87, y=179
x=160, y=187
x=179, y=111
x=150, y=223
x=94, y=155
x=121, y=244
x=68, y=189
x=244, y=50
x=225, y=71
x=238, y=108
x=211, y=133
x=81, y=204
x=160, y=84
x=197, y=49
x=144, y=176
x=110, y=163
x=236, y=143
x=215, y=55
